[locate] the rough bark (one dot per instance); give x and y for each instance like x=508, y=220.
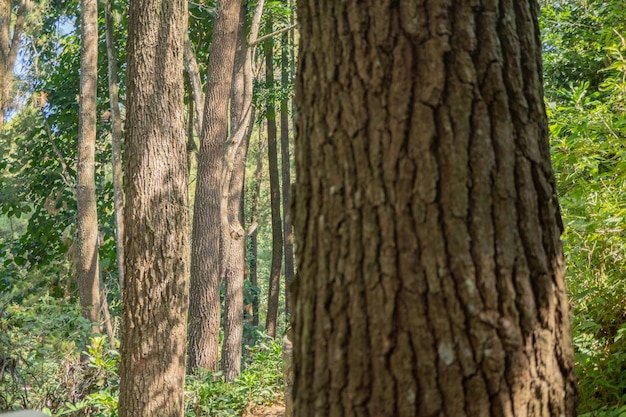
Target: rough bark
x=116, y=143
x=430, y=267
x=241, y=122
x=286, y=170
x=86, y=212
x=10, y=35
x=272, y=156
x=155, y=302
x=232, y=224
x=206, y=264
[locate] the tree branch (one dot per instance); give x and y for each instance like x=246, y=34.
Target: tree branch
x=18, y=29
x=278, y=32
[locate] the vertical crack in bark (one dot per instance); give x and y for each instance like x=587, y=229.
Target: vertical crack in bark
x=431, y=172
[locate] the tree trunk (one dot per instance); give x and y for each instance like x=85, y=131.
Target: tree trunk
x=87, y=216
x=206, y=265
x=254, y=229
x=242, y=121
x=9, y=45
x=116, y=143
x=192, y=148
x=196, y=83
x=155, y=302
x=292, y=68
x=288, y=373
x=286, y=169
x=277, y=233
x=430, y=268
x=232, y=225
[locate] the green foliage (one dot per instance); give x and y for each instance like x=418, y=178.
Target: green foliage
x=38, y=146
x=585, y=82
x=39, y=341
x=34, y=183
x=261, y=382
x=41, y=366
x=613, y=411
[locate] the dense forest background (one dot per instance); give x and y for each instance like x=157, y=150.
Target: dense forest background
x=49, y=357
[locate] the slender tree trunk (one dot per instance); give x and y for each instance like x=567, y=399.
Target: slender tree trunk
x=116, y=143
x=254, y=221
x=196, y=83
x=286, y=169
x=430, y=269
x=206, y=259
x=192, y=148
x=292, y=68
x=87, y=216
x=277, y=233
x=9, y=45
x=106, y=315
x=242, y=120
x=155, y=301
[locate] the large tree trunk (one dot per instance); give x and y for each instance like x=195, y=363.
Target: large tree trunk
x=232, y=224
x=155, y=301
x=116, y=143
x=430, y=269
x=277, y=233
x=10, y=38
x=87, y=216
x=206, y=259
x=286, y=170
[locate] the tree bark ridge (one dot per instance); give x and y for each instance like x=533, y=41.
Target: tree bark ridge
x=431, y=274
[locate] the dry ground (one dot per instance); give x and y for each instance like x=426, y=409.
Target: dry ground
x=276, y=410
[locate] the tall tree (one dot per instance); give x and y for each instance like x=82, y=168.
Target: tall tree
x=233, y=221
x=87, y=215
x=430, y=268
x=232, y=210
x=272, y=152
x=254, y=230
x=206, y=259
x=116, y=141
x=285, y=167
x=155, y=299
x=11, y=30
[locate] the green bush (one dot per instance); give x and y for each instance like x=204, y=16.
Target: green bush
x=261, y=382
x=588, y=126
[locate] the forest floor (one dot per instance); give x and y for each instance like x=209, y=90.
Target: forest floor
x=275, y=410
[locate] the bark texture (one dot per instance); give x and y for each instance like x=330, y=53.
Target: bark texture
x=155, y=301
x=206, y=258
x=86, y=212
x=430, y=268
x=241, y=123
x=272, y=158
x=232, y=203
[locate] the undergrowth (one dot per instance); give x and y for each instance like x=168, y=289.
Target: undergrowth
x=41, y=368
